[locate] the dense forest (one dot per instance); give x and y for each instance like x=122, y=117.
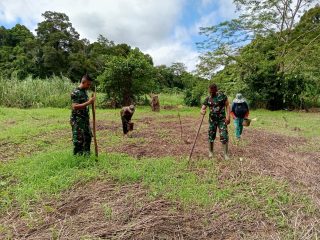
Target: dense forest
x=271, y=58
x=271, y=53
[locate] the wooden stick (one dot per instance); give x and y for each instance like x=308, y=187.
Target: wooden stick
x=195, y=140
x=180, y=125
x=94, y=124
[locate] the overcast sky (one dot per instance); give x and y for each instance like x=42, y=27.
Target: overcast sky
x=166, y=29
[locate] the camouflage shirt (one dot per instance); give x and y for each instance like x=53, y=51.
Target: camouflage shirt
x=216, y=105
x=79, y=95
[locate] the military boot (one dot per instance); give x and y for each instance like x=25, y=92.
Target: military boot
x=210, y=149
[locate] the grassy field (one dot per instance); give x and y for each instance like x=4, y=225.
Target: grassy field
x=250, y=200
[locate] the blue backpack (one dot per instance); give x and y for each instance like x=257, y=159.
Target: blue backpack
x=241, y=109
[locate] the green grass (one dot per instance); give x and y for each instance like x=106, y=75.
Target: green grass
x=46, y=173
x=171, y=99
x=48, y=129
x=32, y=179
x=20, y=125
x=286, y=122
x=107, y=210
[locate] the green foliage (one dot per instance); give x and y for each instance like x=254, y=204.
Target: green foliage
x=229, y=81
x=55, y=50
x=174, y=78
x=261, y=51
x=193, y=97
x=125, y=78
x=265, y=84
x=58, y=42
x=33, y=92
x=17, y=49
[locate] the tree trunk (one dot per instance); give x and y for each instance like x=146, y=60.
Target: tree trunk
x=127, y=94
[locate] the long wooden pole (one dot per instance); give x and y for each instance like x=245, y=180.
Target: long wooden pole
x=195, y=140
x=94, y=124
x=180, y=126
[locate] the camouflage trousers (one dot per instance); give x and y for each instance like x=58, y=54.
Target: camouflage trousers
x=81, y=136
x=220, y=123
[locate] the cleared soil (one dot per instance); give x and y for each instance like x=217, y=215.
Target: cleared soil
x=266, y=153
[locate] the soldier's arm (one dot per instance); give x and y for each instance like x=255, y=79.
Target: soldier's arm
x=78, y=106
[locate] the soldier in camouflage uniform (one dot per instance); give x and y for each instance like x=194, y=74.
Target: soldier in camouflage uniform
x=219, y=117
x=81, y=132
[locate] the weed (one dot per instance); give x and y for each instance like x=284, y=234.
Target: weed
x=107, y=210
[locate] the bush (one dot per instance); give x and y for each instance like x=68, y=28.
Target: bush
x=193, y=97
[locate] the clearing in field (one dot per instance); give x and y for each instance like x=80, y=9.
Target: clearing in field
x=142, y=187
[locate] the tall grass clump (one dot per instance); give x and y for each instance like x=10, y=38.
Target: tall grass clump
x=35, y=92
x=171, y=99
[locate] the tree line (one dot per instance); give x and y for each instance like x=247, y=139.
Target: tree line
x=270, y=53
x=123, y=73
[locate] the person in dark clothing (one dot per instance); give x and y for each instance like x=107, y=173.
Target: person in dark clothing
x=239, y=112
x=126, y=115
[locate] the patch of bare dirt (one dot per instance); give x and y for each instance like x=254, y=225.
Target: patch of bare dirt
x=267, y=153
x=105, y=210
x=281, y=156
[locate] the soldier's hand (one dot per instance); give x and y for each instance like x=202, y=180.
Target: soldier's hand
x=227, y=121
x=92, y=100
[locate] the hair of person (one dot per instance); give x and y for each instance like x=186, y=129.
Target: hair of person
x=213, y=86
x=86, y=77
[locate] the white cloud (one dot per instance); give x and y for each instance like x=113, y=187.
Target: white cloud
x=226, y=9
x=139, y=23
x=148, y=24
x=171, y=52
